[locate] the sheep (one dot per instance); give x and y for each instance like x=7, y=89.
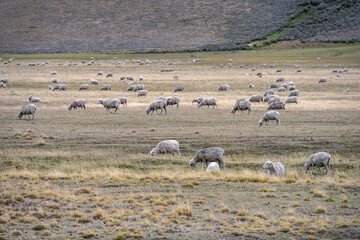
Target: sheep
x=79, y=103
x=322, y=80
x=272, y=115
x=132, y=88
x=213, y=167
x=242, y=105
x=292, y=100
x=34, y=99
x=106, y=87
x=60, y=87
x=161, y=98
x=130, y=78
x=256, y=98
x=99, y=73
x=208, y=102
x=280, y=79
x=141, y=78
x=224, y=87
x=251, y=85
x=284, y=85
x=110, y=74
x=292, y=87
x=274, y=168
x=84, y=87
x=51, y=88
x=281, y=89
x=276, y=105
x=173, y=101
x=271, y=98
x=274, y=85
x=197, y=100
x=278, y=70
x=54, y=81
x=122, y=79
x=155, y=105
x=211, y=154
x=140, y=87
x=123, y=100
x=176, y=78
x=291, y=83
x=167, y=146
x=53, y=73
x=4, y=80
x=94, y=82
x=294, y=93
x=114, y=103
x=179, y=88
x=260, y=74
x=346, y=90
x=27, y=110
x=142, y=93
x=299, y=70
x=320, y=159
x=269, y=92
x=2, y=85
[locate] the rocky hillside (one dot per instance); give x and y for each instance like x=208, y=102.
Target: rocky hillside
x=65, y=25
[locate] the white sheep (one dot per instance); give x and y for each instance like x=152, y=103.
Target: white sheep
x=284, y=85
x=251, y=85
x=106, y=87
x=211, y=154
x=84, y=87
x=94, y=82
x=320, y=159
x=213, y=167
x=179, y=88
x=322, y=80
x=110, y=74
x=173, y=101
x=155, y=105
x=54, y=81
x=2, y=85
x=242, y=105
x=167, y=146
x=271, y=99
x=274, y=85
x=79, y=103
x=271, y=115
x=281, y=89
x=123, y=100
x=277, y=168
x=34, y=99
x=294, y=93
x=346, y=90
x=197, y=100
x=132, y=88
x=4, y=80
x=292, y=100
x=280, y=79
x=27, y=110
x=269, y=92
x=141, y=78
x=100, y=73
x=292, y=87
x=224, y=87
x=256, y=98
x=208, y=102
x=60, y=87
x=276, y=105
x=114, y=103
x=142, y=93
x=53, y=73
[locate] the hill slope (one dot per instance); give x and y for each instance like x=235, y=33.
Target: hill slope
x=52, y=26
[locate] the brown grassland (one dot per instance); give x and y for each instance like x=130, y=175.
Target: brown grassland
x=88, y=174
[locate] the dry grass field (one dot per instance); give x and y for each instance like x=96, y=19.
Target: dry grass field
x=88, y=174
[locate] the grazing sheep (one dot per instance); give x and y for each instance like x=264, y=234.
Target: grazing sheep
x=122, y=79
x=294, y=93
x=197, y=100
x=123, y=100
x=140, y=87
x=94, y=82
x=276, y=105
x=53, y=73
x=4, y=80
x=176, y=78
x=79, y=103
x=114, y=103
x=291, y=83
x=274, y=168
x=130, y=78
x=274, y=85
x=346, y=69
x=281, y=89
x=271, y=98
x=299, y=70
x=346, y=90
x=280, y=79
x=60, y=87
x=167, y=146
x=213, y=166
x=322, y=80
x=292, y=87
x=51, y=88
x=320, y=159
x=256, y=98
x=155, y=105
x=84, y=87
x=142, y=93
x=211, y=154
x=106, y=87
x=34, y=99
x=278, y=70
x=208, y=102
x=173, y=101
x=132, y=88
x=100, y=73
x=110, y=74
x=292, y=100
x=260, y=74
x=27, y=110
x=161, y=98
x=224, y=87
x=284, y=85
x=269, y=92
x=141, y=78
x=179, y=89
x=251, y=85
x=242, y=105
x=272, y=115
x=54, y=81
x=2, y=85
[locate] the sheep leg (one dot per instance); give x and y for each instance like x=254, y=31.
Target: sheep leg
x=223, y=164
x=177, y=105
x=327, y=169
x=319, y=169
x=277, y=122
x=33, y=116
x=165, y=110
x=202, y=167
x=115, y=110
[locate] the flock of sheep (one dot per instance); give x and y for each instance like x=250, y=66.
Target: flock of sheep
x=212, y=159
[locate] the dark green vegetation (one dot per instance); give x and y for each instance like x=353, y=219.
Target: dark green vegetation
x=172, y=25
x=88, y=174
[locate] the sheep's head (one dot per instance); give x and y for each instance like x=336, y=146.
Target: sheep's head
x=233, y=110
x=148, y=110
x=194, y=100
x=30, y=97
x=70, y=107
x=100, y=101
x=20, y=114
x=192, y=163
x=153, y=152
x=261, y=122
x=267, y=164
x=306, y=167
